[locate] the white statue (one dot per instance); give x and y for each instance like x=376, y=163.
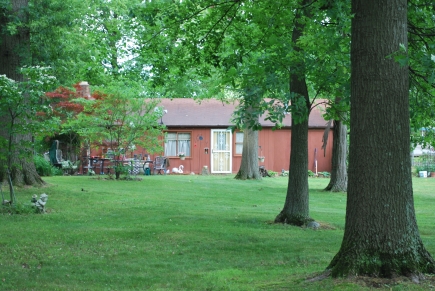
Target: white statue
x=40, y=203
x=178, y=170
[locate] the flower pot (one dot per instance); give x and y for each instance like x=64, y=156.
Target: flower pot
x=261, y=160
x=182, y=158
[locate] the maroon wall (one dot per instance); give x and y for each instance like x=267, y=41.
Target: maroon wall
x=275, y=147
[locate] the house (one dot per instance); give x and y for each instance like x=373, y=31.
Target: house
x=200, y=131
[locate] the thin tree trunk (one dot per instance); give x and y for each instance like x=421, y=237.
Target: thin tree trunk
x=249, y=166
x=296, y=207
x=338, y=182
x=381, y=236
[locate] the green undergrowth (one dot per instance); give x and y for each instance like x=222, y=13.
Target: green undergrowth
x=178, y=232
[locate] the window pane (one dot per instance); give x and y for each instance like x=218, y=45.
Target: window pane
x=239, y=137
x=184, y=143
x=222, y=142
x=184, y=136
x=239, y=149
x=239, y=143
x=171, y=136
x=171, y=144
x=170, y=148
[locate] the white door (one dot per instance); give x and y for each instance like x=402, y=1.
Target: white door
x=221, y=151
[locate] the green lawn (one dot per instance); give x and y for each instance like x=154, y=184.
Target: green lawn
x=179, y=233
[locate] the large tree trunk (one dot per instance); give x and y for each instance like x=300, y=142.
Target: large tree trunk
x=14, y=53
x=249, y=166
x=381, y=237
x=338, y=182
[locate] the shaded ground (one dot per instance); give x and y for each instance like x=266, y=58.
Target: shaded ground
x=426, y=282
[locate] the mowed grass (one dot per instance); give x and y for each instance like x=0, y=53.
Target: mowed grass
x=179, y=233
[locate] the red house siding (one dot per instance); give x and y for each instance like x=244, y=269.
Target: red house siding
x=275, y=147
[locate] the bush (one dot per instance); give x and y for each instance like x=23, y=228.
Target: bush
x=44, y=168
x=18, y=208
x=56, y=171
x=272, y=173
x=325, y=174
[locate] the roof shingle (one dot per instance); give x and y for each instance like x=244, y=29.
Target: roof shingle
x=187, y=112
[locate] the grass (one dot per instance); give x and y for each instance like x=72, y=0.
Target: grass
x=179, y=233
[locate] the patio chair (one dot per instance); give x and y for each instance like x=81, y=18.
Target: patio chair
x=55, y=154
x=59, y=156
x=160, y=164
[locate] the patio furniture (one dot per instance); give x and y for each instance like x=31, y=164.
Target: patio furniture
x=88, y=164
x=160, y=164
x=264, y=172
x=105, y=167
x=147, y=167
x=55, y=154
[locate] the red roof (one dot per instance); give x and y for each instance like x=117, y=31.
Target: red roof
x=187, y=112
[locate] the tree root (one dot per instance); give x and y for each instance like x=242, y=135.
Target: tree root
x=322, y=276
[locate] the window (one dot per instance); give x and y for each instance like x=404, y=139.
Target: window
x=239, y=143
x=177, y=142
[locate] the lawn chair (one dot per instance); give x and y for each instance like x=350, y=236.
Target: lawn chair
x=160, y=165
x=55, y=154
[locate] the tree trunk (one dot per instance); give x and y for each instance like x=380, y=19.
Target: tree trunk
x=338, y=182
x=296, y=207
x=249, y=166
x=14, y=53
x=381, y=237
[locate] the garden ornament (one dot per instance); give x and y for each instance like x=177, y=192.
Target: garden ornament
x=40, y=204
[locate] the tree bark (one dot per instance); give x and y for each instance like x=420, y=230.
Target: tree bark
x=296, y=207
x=381, y=236
x=249, y=166
x=14, y=53
x=338, y=182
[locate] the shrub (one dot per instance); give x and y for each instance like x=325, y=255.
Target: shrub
x=272, y=173
x=324, y=174
x=18, y=208
x=56, y=171
x=44, y=168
